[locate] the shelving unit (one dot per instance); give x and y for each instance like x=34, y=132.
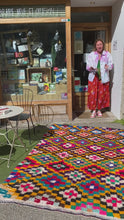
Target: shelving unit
x=15, y=56
x=44, y=71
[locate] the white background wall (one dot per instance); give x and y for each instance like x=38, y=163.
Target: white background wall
x=117, y=49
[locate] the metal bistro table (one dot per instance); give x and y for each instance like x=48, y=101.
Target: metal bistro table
x=6, y=112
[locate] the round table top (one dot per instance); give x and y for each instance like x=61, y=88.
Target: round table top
x=7, y=111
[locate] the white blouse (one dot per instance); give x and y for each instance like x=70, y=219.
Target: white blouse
x=92, y=61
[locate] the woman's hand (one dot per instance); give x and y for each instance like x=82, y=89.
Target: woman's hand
x=91, y=69
x=106, y=67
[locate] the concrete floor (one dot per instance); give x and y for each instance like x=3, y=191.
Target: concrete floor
x=82, y=119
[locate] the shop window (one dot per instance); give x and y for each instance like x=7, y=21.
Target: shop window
x=33, y=56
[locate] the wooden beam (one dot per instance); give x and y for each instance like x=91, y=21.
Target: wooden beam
x=90, y=9
x=90, y=26
x=30, y=20
x=58, y=102
x=68, y=58
x=32, y=2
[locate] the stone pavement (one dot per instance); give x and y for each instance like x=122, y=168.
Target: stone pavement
x=105, y=121
x=108, y=120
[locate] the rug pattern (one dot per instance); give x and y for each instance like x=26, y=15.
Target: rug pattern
x=75, y=168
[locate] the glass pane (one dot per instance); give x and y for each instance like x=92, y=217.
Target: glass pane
x=34, y=56
x=90, y=17
x=32, y=11
x=83, y=45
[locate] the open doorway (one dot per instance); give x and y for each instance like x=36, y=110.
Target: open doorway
x=83, y=44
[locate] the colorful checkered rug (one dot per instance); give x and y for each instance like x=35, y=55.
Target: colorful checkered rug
x=73, y=169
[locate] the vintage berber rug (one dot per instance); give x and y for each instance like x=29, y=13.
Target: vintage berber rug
x=74, y=169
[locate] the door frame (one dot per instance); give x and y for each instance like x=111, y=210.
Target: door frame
x=89, y=27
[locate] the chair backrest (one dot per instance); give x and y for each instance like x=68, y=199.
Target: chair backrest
x=44, y=114
x=25, y=99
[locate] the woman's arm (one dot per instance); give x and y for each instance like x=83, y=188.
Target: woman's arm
x=90, y=63
x=109, y=65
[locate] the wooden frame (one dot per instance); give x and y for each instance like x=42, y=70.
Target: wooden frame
x=65, y=19
x=32, y=2
x=89, y=27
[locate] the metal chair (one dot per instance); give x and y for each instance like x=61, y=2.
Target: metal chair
x=24, y=100
x=44, y=114
x=9, y=142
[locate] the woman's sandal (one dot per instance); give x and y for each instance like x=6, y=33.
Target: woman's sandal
x=93, y=115
x=99, y=114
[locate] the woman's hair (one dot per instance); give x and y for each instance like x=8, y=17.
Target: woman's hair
x=97, y=41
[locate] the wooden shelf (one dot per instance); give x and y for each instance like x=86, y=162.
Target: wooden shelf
x=46, y=72
x=15, y=81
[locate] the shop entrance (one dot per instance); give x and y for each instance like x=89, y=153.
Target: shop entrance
x=88, y=24
x=83, y=44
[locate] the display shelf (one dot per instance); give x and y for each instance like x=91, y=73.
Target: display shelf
x=16, y=52
x=14, y=81
x=43, y=72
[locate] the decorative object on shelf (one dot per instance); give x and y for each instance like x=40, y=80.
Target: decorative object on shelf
x=33, y=83
x=36, y=62
x=21, y=74
x=46, y=87
x=24, y=60
x=36, y=77
x=77, y=81
x=8, y=43
x=13, y=73
x=52, y=87
x=18, y=54
x=12, y=61
x=58, y=75
x=37, y=48
x=40, y=87
x=45, y=62
x=64, y=95
x=64, y=73
x=22, y=48
x=55, y=68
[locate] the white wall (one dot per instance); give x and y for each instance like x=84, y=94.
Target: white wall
x=117, y=48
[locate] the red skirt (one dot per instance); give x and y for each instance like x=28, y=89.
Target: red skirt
x=98, y=94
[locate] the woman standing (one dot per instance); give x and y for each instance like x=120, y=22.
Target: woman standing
x=99, y=63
